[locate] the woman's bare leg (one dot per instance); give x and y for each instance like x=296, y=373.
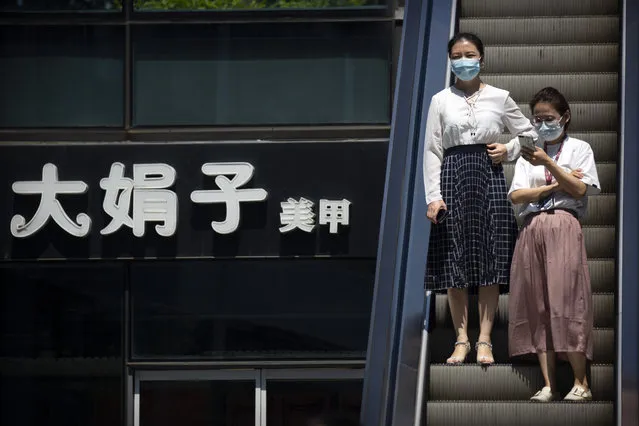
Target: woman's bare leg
x=488, y=300
x=547, y=364
x=458, y=304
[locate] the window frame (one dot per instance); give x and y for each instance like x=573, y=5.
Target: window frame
x=128, y=18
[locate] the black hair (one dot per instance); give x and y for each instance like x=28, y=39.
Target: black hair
x=552, y=96
x=468, y=37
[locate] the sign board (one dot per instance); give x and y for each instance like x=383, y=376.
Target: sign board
x=185, y=200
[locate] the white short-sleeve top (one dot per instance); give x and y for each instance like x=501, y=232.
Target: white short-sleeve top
x=453, y=120
x=575, y=154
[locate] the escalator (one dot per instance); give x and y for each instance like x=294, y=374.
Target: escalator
x=574, y=47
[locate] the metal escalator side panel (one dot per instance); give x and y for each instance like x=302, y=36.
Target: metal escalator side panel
x=628, y=229
x=389, y=394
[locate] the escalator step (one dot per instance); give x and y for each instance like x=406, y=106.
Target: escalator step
x=607, y=173
x=475, y=8
x=603, y=310
x=510, y=382
x=458, y=413
x=526, y=59
x=603, y=144
x=576, y=87
x=443, y=338
x=544, y=30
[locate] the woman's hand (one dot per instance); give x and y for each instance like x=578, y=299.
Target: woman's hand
x=538, y=157
x=434, y=208
x=577, y=173
x=497, y=152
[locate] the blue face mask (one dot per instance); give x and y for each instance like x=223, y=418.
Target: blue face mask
x=550, y=131
x=465, y=68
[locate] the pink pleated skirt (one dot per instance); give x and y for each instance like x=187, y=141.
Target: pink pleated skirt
x=550, y=301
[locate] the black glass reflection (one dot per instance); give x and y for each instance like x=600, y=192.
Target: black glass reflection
x=61, y=351
x=200, y=5
x=313, y=402
x=199, y=403
x=262, y=74
x=62, y=76
x=252, y=309
x=60, y=5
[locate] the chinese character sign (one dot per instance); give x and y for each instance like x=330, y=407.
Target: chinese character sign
x=147, y=197
x=50, y=208
x=152, y=201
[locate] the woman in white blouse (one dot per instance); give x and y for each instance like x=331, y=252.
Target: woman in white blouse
x=474, y=228
x=550, y=303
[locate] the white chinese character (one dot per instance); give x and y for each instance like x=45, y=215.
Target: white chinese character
x=297, y=214
x=152, y=202
x=229, y=193
x=334, y=213
x=49, y=206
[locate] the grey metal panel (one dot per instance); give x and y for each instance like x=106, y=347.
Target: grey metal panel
x=603, y=307
x=394, y=336
x=603, y=144
x=607, y=173
x=470, y=8
x=576, y=87
x=551, y=58
x=537, y=30
x=479, y=413
x=510, y=382
x=443, y=338
x=628, y=273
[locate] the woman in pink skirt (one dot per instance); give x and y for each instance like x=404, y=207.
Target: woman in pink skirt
x=550, y=302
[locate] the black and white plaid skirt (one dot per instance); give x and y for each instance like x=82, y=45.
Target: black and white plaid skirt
x=473, y=246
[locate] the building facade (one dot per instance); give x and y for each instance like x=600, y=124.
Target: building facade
x=192, y=194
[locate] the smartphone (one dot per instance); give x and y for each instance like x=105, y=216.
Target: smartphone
x=527, y=142
x=441, y=216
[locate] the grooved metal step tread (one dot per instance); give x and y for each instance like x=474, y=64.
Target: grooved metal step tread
x=476, y=413
x=491, y=8
x=443, y=338
x=602, y=275
x=603, y=310
x=587, y=116
x=603, y=144
x=575, y=87
x=551, y=58
x=600, y=241
x=607, y=173
x=545, y=29
x=507, y=382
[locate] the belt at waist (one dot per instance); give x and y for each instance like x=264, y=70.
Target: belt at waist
x=465, y=149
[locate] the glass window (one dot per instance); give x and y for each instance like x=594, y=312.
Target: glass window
x=61, y=76
x=299, y=402
x=252, y=309
x=199, y=5
x=60, y=5
x=61, y=345
x=262, y=74
x=197, y=403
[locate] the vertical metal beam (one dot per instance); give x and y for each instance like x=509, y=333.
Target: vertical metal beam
x=396, y=322
x=628, y=231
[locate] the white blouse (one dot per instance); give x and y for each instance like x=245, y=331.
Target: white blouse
x=453, y=120
x=575, y=154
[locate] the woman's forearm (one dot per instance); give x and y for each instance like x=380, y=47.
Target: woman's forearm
x=568, y=183
x=531, y=195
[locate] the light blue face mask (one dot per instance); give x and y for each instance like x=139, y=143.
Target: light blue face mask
x=465, y=68
x=550, y=131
